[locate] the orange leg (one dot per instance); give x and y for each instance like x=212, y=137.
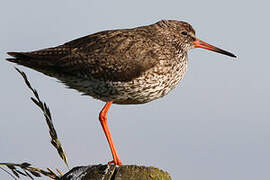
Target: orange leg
x=104, y=124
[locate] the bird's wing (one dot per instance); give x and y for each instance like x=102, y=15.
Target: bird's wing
x=118, y=55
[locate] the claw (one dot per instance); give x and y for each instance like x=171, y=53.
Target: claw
x=115, y=162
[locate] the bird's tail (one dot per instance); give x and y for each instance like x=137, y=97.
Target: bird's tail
x=24, y=59
x=34, y=61
x=31, y=60
x=19, y=58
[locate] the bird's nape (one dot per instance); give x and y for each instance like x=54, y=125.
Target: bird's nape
x=201, y=44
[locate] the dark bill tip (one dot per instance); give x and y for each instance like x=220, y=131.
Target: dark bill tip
x=200, y=44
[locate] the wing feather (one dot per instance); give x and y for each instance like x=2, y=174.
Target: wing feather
x=117, y=55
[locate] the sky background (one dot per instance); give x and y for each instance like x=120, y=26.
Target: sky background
x=214, y=125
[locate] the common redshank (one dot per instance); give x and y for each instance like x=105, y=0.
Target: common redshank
x=126, y=66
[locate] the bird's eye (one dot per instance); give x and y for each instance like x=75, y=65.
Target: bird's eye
x=184, y=33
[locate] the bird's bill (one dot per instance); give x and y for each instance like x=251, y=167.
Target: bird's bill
x=200, y=44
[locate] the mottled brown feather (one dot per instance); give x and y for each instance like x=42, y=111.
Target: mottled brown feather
x=114, y=55
x=110, y=55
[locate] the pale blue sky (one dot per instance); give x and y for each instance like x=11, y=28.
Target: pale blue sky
x=214, y=125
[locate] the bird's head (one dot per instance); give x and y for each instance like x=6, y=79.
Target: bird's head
x=183, y=36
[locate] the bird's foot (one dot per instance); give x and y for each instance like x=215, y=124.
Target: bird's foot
x=116, y=162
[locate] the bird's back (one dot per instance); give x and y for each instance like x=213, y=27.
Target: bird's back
x=126, y=65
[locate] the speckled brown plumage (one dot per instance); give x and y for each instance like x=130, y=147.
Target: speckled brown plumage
x=126, y=66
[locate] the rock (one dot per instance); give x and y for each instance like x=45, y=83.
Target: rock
x=113, y=172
